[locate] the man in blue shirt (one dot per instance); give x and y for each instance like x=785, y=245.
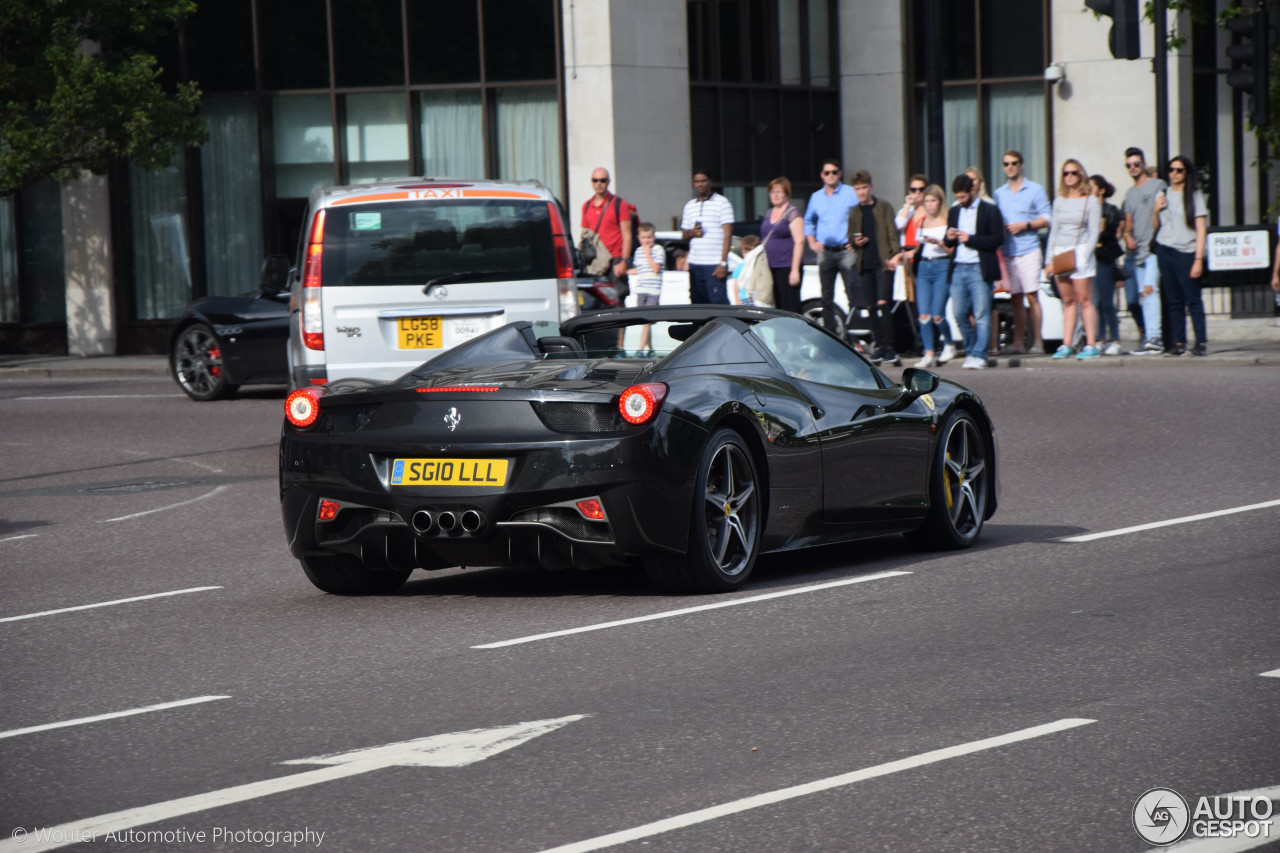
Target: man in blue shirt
x=1025, y=207
x=826, y=226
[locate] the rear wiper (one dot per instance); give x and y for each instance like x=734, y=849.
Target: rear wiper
x=461, y=276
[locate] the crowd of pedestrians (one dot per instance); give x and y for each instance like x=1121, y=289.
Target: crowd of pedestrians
x=952, y=255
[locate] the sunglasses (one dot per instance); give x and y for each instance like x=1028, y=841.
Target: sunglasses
x=1066, y=172
x=916, y=189
x=1136, y=164
x=599, y=180
x=830, y=171
x=1012, y=163
x=1176, y=170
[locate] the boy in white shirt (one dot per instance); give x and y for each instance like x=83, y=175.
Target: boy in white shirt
x=646, y=276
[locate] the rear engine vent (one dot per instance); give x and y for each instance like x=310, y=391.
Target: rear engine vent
x=623, y=375
x=345, y=419
x=581, y=417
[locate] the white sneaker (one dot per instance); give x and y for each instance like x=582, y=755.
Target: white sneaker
x=1112, y=348
x=927, y=361
x=973, y=363
x=948, y=353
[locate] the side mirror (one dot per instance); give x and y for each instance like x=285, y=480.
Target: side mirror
x=273, y=277
x=915, y=384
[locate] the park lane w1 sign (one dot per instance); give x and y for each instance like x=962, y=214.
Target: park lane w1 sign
x=1239, y=250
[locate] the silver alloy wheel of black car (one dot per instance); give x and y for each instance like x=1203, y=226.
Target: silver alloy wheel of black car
x=960, y=489
x=724, y=537
x=196, y=362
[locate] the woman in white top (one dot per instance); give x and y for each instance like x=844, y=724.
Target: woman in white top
x=1077, y=219
x=1179, y=217
x=931, y=274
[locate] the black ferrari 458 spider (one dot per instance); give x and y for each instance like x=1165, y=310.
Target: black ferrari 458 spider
x=754, y=431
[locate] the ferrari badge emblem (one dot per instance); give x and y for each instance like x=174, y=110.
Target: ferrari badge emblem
x=452, y=418
x=928, y=401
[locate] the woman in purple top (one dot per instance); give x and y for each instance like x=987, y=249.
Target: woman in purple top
x=782, y=232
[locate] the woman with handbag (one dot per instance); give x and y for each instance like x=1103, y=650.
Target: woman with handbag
x=782, y=231
x=1077, y=219
x=1180, y=215
x=1107, y=279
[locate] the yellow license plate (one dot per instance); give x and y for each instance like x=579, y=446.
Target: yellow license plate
x=449, y=472
x=420, y=332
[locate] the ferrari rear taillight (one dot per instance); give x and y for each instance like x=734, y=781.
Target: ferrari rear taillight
x=302, y=407
x=640, y=403
x=312, y=319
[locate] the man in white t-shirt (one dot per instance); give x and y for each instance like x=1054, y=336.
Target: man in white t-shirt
x=707, y=223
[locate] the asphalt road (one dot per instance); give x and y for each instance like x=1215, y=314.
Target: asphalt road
x=1017, y=696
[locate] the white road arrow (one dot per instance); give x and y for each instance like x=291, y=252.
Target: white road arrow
x=448, y=750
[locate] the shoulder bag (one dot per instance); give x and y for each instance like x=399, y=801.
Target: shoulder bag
x=1065, y=262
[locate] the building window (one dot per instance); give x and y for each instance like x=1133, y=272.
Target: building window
x=451, y=132
x=376, y=139
x=161, y=261
x=231, y=196
x=302, y=126
x=763, y=97
x=526, y=135
x=8, y=262
x=992, y=57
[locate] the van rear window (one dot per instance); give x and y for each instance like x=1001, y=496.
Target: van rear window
x=416, y=241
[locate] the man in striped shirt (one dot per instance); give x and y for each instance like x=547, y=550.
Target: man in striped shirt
x=707, y=223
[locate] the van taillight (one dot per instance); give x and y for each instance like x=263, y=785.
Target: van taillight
x=312, y=319
x=563, y=250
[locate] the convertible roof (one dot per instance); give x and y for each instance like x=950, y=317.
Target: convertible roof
x=698, y=314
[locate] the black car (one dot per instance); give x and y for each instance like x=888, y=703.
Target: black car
x=757, y=431
x=219, y=343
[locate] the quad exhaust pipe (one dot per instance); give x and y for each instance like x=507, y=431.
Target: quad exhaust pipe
x=447, y=522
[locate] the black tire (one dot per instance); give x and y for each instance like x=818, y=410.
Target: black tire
x=342, y=574
x=812, y=308
x=724, y=531
x=959, y=488
x=196, y=364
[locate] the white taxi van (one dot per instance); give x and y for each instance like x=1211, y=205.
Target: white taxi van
x=392, y=273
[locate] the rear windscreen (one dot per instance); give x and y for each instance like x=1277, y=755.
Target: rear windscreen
x=415, y=242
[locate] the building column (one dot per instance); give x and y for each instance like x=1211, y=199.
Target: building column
x=86, y=236
x=875, y=94
x=626, y=75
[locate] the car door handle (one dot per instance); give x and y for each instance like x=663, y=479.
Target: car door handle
x=818, y=414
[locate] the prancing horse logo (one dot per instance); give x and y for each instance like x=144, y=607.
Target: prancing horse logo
x=452, y=418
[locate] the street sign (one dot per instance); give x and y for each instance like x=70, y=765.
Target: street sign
x=1239, y=250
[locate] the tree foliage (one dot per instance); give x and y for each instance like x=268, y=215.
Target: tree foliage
x=79, y=88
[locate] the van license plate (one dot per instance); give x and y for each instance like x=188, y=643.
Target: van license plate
x=449, y=472
x=420, y=333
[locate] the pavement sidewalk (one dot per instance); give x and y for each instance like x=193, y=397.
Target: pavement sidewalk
x=1253, y=341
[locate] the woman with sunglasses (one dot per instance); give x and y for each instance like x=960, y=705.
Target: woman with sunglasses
x=1076, y=222
x=1179, y=218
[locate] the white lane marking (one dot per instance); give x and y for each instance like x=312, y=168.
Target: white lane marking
x=1275, y=673
x=222, y=488
x=108, y=603
x=196, y=463
x=98, y=396
x=1184, y=520
x=687, y=610
x=111, y=716
x=1240, y=842
x=772, y=797
x=447, y=750
x=23, y=536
